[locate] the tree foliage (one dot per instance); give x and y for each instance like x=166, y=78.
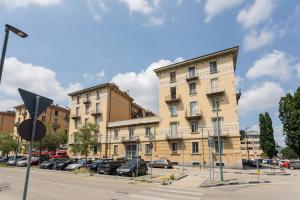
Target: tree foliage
x=267, y=141
x=289, y=114
x=84, y=140
x=288, y=153
x=7, y=143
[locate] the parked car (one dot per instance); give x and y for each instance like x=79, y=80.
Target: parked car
x=295, y=164
x=12, y=160
x=79, y=164
x=161, y=163
x=130, y=168
x=4, y=159
x=49, y=163
x=23, y=162
x=63, y=163
x=284, y=163
x=109, y=167
x=96, y=163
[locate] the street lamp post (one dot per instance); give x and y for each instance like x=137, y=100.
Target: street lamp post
x=14, y=30
x=219, y=140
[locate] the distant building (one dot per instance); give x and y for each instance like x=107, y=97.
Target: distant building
x=250, y=144
x=7, y=121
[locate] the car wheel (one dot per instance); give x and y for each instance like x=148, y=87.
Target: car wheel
x=292, y=168
x=166, y=166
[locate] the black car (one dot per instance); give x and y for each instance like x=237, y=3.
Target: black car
x=109, y=167
x=133, y=168
x=95, y=164
x=49, y=163
x=63, y=163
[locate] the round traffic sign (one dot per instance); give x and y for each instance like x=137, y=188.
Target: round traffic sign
x=25, y=130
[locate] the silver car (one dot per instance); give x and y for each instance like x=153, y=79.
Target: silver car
x=295, y=164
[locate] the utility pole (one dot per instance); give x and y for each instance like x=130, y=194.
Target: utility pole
x=219, y=141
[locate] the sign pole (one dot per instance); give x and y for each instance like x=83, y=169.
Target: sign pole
x=209, y=161
x=37, y=100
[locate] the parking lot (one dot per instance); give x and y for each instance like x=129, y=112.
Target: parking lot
x=52, y=184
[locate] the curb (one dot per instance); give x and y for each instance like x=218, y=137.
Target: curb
x=232, y=183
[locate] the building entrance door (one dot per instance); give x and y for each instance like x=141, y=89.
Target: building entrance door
x=131, y=151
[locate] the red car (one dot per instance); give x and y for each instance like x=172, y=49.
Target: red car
x=284, y=163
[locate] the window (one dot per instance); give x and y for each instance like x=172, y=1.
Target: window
x=43, y=119
x=78, y=99
x=20, y=111
x=213, y=67
x=173, y=77
x=194, y=126
x=173, y=127
x=148, y=150
x=217, y=148
x=97, y=120
x=98, y=95
x=97, y=107
x=85, y=121
x=173, y=110
x=87, y=109
x=192, y=87
x=215, y=103
x=77, y=111
x=214, y=84
x=87, y=95
x=173, y=92
x=195, y=147
x=116, y=133
x=192, y=72
x=147, y=131
x=76, y=124
x=130, y=136
x=95, y=149
x=174, y=148
x=193, y=108
x=217, y=125
x=56, y=113
x=115, y=149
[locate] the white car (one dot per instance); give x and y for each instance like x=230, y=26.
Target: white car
x=23, y=161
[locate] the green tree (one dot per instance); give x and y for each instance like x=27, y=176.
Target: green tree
x=289, y=153
x=85, y=140
x=267, y=141
x=289, y=114
x=7, y=143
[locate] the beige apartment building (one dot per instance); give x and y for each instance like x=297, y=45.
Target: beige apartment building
x=250, y=145
x=188, y=95
x=100, y=105
x=7, y=121
x=56, y=118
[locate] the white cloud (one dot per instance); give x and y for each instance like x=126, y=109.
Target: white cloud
x=298, y=69
x=140, y=6
x=260, y=98
x=94, y=77
x=38, y=79
x=213, y=8
x=239, y=81
x=143, y=86
x=97, y=8
x=26, y=3
x=258, y=12
x=178, y=2
x=276, y=64
x=256, y=40
x=155, y=21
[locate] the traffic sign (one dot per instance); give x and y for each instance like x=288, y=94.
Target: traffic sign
x=25, y=130
x=29, y=101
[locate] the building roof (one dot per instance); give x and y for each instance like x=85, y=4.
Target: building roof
x=103, y=85
x=233, y=50
x=54, y=106
x=11, y=113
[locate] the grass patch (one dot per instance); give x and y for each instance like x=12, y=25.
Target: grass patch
x=3, y=165
x=83, y=171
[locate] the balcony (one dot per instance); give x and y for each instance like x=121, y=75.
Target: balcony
x=55, y=126
x=127, y=139
x=191, y=76
x=238, y=95
x=75, y=116
x=173, y=99
x=96, y=113
x=223, y=134
x=213, y=91
x=86, y=101
x=173, y=136
x=189, y=115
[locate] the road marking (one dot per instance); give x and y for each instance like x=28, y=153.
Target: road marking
x=170, y=195
x=178, y=191
x=137, y=196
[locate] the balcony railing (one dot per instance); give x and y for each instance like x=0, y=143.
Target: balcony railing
x=86, y=101
x=96, y=112
x=132, y=139
x=173, y=99
x=211, y=91
x=192, y=76
x=173, y=135
x=75, y=116
x=193, y=115
x=223, y=134
x=238, y=95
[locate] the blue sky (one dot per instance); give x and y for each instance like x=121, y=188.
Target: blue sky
x=73, y=44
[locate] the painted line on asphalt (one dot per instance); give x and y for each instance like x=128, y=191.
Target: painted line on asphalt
x=169, y=195
x=140, y=197
x=178, y=191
